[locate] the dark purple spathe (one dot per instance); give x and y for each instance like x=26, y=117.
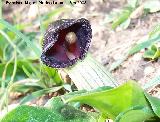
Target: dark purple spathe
x=54, y=45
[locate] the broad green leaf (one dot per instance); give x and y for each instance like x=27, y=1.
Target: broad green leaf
x=52, y=103
x=82, y=92
x=72, y=94
x=56, y=103
x=64, y=97
x=113, y=102
x=135, y=114
x=152, y=53
x=65, y=113
x=1, y=54
x=29, y=114
x=102, y=118
x=155, y=103
x=152, y=5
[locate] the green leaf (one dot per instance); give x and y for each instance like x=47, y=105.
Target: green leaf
x=152, y=5
x=51, y=75
x=39, y=93
x=56, y=103
x=20, y=75
x=113, y=102
x=149, y=54
x=152, y=53
x=135, y=114
x=25, y=86
x=155, y=103
x=63, y=113
x=125, y=24
x=102, y=118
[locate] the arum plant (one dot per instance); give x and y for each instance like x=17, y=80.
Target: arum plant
x=65, y=46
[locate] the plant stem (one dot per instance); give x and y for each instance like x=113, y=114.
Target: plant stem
x=89, y=74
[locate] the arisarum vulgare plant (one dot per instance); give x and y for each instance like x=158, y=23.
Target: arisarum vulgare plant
x=66, y=44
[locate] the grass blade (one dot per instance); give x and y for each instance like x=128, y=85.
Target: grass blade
x=144, y=44
x=153, y=82
x=39, y=93
x=155, y=30
x=30, y=44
